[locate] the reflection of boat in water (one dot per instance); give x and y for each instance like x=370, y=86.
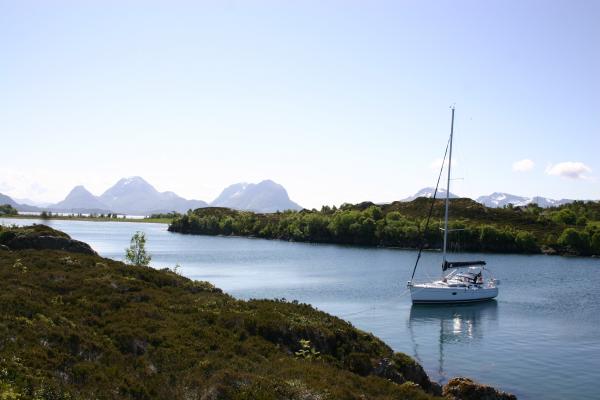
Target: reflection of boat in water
x=461, y=321
x=457, y=324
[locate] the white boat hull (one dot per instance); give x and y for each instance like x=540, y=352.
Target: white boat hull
x=434, y=294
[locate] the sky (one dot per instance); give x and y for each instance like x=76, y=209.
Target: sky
x=338, y=101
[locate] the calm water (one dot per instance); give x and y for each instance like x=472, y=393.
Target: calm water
x=539, y=340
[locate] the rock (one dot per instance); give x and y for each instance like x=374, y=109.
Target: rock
x=550, y=251
x=41, y=237
x=3, y=247
x=466, y=389
x=50, y=243
x=413, y=371
x=385, y=369
x=138, y=346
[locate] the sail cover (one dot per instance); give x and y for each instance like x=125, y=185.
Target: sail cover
x=460, y=264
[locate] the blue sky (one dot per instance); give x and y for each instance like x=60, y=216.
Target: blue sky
x=338, y=101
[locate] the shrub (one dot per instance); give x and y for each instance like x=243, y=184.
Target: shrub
x=136, y=253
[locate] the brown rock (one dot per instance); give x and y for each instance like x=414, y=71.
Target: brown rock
x=466, y=389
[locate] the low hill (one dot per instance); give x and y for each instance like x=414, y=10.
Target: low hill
x=568, y=229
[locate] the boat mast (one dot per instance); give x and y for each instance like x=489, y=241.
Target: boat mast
x=448, y=189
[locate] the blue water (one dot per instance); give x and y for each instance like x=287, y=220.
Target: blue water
x=540, y=339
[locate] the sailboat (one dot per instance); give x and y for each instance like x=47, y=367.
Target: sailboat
x=461, y=281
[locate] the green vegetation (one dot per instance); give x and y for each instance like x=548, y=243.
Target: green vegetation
x=7, y=210
x=136, y=253
x=78, y=326
x=170, y=216
x=568, y=229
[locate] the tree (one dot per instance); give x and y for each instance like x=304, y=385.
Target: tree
x=595, y=243
x=526, y=241
x=578, y=241
x=136, y=253
x=374, y=213
x=565, y=216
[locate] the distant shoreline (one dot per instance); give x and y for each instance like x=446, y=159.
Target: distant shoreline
x=91, y=219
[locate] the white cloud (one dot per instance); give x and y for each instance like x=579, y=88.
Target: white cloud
x=523, y=165
x=569, y=169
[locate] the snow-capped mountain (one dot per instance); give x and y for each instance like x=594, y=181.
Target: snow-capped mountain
x=496, y=199
x=266, y=196
x=428, y=193
x=546, y=202
x=128, y=196
x=499, y=199
x=136, y=196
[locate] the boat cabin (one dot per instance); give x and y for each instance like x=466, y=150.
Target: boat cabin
x=465, y=278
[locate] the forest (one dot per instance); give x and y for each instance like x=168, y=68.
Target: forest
x=571, y=229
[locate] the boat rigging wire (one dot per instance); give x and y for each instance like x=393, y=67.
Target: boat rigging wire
x=433, y=198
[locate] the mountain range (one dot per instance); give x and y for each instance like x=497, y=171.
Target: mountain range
x=4, y=199
x=135, y=196
x=496, y=199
